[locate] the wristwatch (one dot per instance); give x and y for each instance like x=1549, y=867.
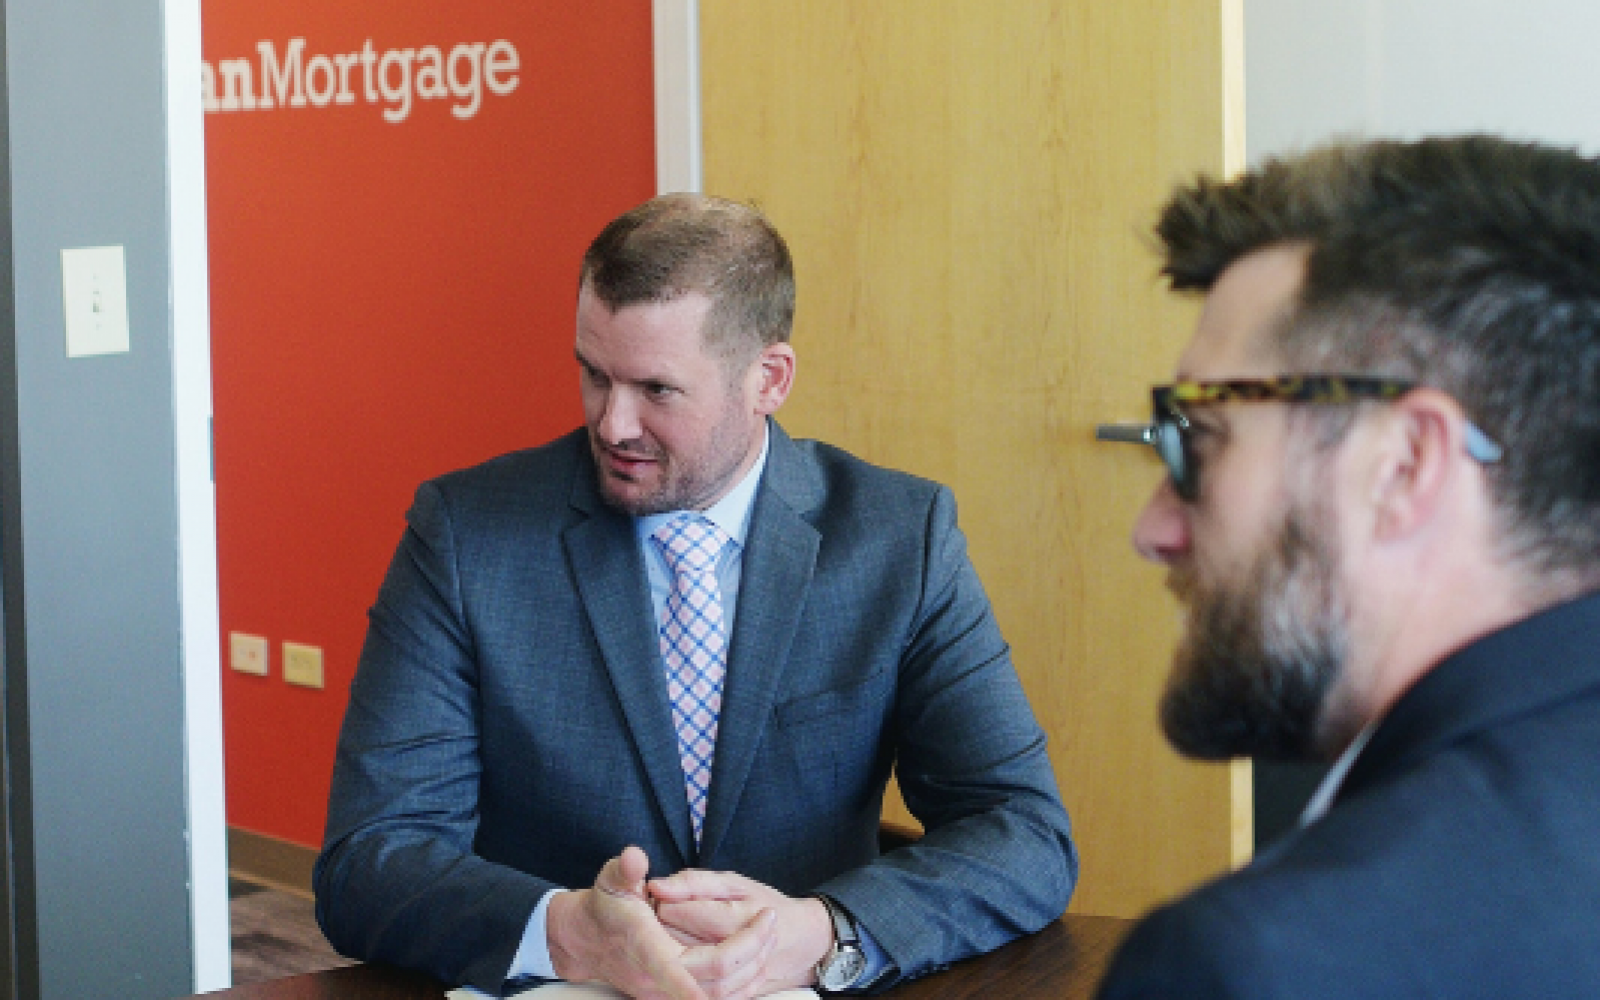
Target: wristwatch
x=844, y=963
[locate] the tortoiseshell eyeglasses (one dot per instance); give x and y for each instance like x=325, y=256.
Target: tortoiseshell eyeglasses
x=1170, y=433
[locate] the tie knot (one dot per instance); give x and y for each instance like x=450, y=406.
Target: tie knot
x=690, y=544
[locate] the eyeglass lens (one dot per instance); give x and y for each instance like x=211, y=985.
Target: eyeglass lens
x=1171, y=445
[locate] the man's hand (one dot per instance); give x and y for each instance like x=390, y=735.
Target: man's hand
x=710, y=912
x=610, y=933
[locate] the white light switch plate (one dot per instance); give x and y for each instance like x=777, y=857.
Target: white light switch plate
x=94, y=287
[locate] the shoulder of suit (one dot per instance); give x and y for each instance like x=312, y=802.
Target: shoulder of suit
x=838, y=469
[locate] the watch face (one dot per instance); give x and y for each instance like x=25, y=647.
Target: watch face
x=842, y=969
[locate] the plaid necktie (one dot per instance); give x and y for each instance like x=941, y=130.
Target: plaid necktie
x=694, y=648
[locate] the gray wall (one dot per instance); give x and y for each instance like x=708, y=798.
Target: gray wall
x=93, y=664
x=1318, y=68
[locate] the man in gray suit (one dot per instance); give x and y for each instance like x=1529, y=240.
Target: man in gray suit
x=678, y=642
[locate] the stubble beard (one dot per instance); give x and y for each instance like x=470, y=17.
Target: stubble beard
x=1258, y=661
x=691, y=485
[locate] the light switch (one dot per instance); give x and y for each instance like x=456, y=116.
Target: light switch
x=94, y=288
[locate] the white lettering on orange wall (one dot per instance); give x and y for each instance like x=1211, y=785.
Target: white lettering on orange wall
x=397, y=79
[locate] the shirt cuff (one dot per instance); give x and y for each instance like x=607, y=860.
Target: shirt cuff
x=533, y=954
x=877, y=958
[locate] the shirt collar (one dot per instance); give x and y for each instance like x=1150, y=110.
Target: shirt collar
x=1334, y=779
x=731, y=513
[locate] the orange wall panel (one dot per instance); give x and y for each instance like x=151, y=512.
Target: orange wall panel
x=391, y=298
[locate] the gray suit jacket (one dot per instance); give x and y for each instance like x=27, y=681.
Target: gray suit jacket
x=508, y=729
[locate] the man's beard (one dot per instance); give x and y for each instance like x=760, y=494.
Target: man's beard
x=687, y=482
x=1253, y=673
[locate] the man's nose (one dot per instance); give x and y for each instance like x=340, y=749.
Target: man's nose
x=1162, y=532
x=619, y=420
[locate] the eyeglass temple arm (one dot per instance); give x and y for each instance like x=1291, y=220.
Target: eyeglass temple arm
x=1130, y=433
x=1479, y=445
x=1482, y=447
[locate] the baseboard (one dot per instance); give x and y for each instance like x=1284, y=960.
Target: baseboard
x=280, y=864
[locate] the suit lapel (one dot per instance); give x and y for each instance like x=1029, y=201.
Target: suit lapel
x=779, y=558
x=603, y=553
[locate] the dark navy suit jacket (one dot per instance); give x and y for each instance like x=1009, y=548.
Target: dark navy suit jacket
x=508, y=729
x=1461, y=857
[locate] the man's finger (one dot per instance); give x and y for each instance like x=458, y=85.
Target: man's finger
x=684, y=938
x=666, y=976
x=624, y=874
x=736, y=967
x=696, y=883
x=709, y=921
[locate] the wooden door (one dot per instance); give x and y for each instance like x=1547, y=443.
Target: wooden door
x=966, y=185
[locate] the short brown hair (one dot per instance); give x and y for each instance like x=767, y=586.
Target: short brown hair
x=680, y=243
x=1471, y=264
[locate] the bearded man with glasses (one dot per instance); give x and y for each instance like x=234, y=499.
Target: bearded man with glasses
x=1382, y=514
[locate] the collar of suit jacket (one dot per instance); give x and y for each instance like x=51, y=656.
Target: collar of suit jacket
x=1543, y=659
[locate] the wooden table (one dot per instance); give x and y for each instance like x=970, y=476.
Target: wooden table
x=1062, y=962
x=1065, y=961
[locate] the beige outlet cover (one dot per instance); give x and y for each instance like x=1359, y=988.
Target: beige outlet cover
x=247, y=653
x=302, y=664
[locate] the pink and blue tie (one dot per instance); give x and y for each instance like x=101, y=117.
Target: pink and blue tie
x=694, y=648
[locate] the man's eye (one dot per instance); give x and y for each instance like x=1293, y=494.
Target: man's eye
x=655, y=390
x=1202, y=436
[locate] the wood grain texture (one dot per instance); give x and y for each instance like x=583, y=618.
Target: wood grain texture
x=1064, y=961
x=354, y=982
x=965, y=185
x=275, y=934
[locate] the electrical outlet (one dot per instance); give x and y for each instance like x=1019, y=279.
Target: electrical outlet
x=302, y=665
x=247, y=653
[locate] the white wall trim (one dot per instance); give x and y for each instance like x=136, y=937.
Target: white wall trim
x=676, y=33
x=1234, y=109
x=196, y=500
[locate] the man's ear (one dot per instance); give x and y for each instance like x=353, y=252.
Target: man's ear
x=1422, y=448
x=775, y=374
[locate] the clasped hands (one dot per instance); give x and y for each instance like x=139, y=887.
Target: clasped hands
x=696, y=935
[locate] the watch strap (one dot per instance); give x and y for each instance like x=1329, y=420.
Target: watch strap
x=841, y=969
x=844, y=925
